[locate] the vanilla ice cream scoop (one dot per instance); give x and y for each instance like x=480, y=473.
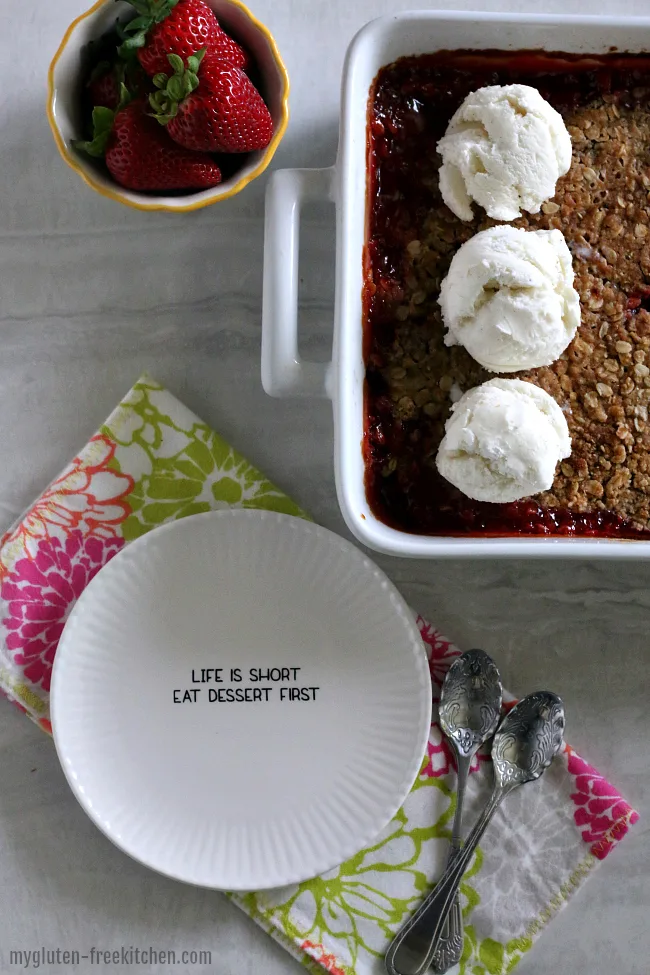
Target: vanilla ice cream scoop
x=503, y=441
x=509, y=298
x=504, y=148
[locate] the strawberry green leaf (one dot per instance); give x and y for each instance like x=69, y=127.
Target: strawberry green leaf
x=164, y=110
x=132, y=43
x=176, y=63
x=125, y=97
x=157, y=10
x=156, y=103
x=103, y=119
x=163, y=119
x=134, y=34
x=102, y=127
x=175, y=88
x=122, y=30
x=163, y=9
x=123, y=53
x=138, y=23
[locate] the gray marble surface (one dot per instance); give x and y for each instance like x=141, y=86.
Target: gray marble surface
x=91, y=293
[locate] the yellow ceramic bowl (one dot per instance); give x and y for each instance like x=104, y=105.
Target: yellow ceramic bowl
x=63, y=106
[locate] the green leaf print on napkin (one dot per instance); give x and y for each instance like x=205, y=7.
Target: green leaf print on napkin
x=491, y=956
x=181, y=466
x=347, y=910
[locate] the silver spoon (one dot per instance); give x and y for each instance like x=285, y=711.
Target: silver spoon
x=469, y=711
x=529, y=738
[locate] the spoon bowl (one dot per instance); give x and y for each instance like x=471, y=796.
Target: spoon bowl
x=470, y=702
x=529, y=738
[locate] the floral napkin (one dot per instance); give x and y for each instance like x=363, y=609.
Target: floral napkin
x=154, y=461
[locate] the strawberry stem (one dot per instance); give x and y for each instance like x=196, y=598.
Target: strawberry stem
x=173, y=89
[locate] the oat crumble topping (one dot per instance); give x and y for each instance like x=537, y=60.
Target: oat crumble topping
x=602, y=381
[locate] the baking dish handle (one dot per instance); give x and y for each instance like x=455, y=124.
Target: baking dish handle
x=284, y=373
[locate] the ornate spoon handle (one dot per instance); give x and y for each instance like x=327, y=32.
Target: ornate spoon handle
x=450, y=949
x=411, y=951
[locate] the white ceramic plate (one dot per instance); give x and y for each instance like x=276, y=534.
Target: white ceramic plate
x=241, y=794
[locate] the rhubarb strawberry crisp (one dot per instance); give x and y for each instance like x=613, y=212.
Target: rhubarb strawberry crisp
x=416, y=371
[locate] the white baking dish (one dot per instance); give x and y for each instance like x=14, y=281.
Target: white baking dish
x=284, y=373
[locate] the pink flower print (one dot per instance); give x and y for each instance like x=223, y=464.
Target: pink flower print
x=41, y=591
x=89, y=496
x=602, y=814
x=328, y=961
x=440, y=652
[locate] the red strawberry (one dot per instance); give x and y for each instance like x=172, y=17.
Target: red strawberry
x=103, y=86
x=106, y=79
x=211, y=106
x=178, y=27
x=140, y=156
